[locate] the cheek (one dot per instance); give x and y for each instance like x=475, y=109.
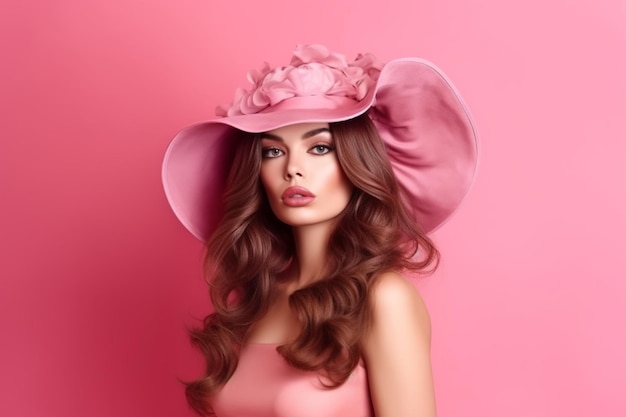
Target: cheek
x=346, y=187
x=338, y=182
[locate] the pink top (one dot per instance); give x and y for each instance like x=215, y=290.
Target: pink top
x=264, y=385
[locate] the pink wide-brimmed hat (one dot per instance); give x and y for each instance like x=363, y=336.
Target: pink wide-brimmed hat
x=428, y=132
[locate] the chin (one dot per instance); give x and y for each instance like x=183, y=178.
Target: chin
x=303, y=221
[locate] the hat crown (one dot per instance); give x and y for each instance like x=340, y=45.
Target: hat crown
x=314, y=71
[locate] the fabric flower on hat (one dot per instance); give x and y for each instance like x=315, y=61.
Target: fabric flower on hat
x=313, y=71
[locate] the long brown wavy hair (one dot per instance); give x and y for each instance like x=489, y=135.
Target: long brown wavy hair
x=376, y=232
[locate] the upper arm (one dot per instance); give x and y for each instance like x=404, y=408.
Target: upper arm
x=397, y=350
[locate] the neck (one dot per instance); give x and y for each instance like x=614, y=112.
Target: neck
x=311, y=260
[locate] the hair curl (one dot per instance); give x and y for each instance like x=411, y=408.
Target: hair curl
x=376, y=232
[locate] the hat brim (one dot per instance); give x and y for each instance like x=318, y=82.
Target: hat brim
x=430, y=138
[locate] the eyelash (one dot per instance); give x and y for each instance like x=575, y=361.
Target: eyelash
x=266, y=152
x=327, y=148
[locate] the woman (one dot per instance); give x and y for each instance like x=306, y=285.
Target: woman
x=314, y=191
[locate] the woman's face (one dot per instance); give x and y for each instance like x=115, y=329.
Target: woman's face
x=301, y=174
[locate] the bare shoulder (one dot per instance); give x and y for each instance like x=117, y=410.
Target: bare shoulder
x=397, y=305
x=396, y=349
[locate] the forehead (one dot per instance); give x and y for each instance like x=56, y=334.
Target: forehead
x=297, y=130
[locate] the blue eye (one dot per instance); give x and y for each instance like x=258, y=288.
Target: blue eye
x=320, y=149
x=271, y=152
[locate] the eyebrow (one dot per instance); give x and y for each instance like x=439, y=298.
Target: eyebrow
x=306, y=135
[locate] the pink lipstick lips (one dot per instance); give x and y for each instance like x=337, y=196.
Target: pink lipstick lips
x=297, y=197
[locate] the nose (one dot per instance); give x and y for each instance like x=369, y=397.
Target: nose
x=293, y=172
x=294, y=168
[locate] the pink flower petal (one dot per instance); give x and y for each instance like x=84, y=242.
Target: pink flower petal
x=314, y=70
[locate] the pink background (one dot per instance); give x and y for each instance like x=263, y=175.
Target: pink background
x=99, y=281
